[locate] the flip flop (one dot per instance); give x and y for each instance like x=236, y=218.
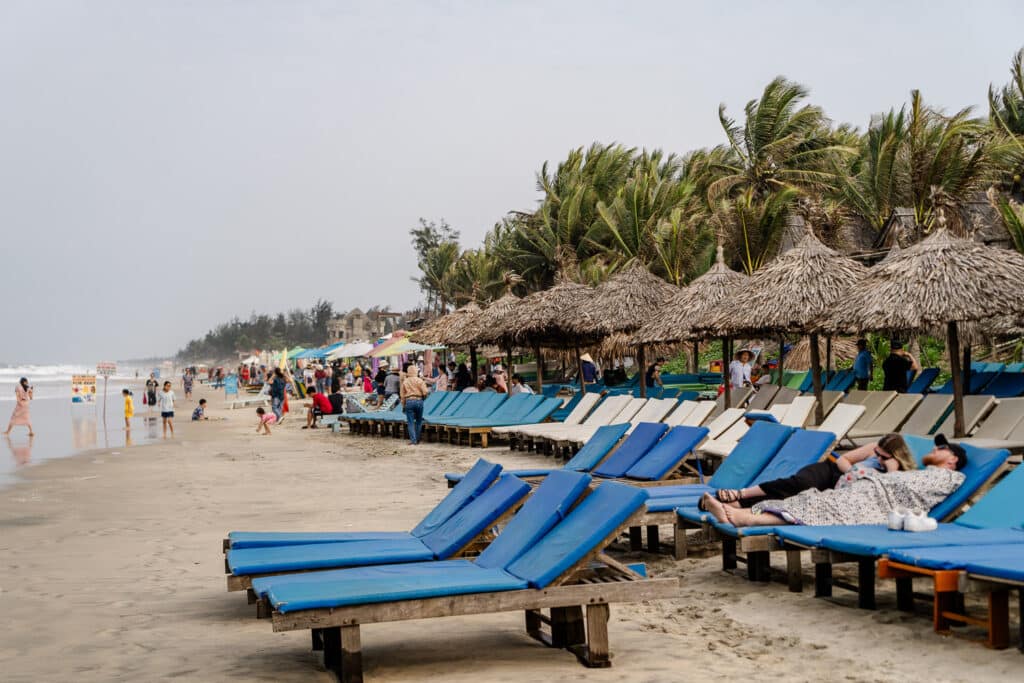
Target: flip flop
x=727, y=495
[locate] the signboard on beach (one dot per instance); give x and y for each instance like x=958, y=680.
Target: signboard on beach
x=231, y=385
x=83, y=388
x=106, y=369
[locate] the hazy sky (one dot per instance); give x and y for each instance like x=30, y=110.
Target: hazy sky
x=165, y=165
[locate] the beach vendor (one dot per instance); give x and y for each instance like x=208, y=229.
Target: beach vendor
x=739, y=370
x=588, y=368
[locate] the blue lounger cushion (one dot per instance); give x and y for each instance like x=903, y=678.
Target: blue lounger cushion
x=392, y=582
x=667, y=453
x=982, y=464
x=548, y=505
x=440, y=543
x=804, y=447
x=325, y=555
x=636, y=445
x=998, y=561
x=749, y=457
x=875, y=540
x=580, y=533
x=586, y=526
x=475, y=482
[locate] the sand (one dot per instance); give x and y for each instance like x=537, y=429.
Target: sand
x=112, y=570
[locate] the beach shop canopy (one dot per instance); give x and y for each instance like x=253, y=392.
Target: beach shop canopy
x=353, y=350
x=398, y=346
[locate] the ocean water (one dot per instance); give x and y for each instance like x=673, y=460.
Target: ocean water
x=64, y=428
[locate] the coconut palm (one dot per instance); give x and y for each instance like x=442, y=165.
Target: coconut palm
x=437, y=266
x=1006, y=116
x=876, y=182
x=752, y=227
x=781, y=144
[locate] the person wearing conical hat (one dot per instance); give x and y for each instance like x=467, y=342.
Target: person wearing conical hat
x=588, y=368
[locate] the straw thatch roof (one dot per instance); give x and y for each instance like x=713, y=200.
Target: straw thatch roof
x=790, y=292
x=556, y=317
x=799, y=357
x=447, y=328
x=491, y=325
x=939, y=280
x=696, y=303
x=629, y=298
x=622, y=344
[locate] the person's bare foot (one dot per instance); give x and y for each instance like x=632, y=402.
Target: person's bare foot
x=715, y=507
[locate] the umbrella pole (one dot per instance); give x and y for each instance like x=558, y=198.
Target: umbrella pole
x=641, y=360
x=966, y=369
x=540, y=369
x=953, y=348
x=725, y=372
x=696, y=357
x=472, y=362
x=828, y=357
x=508, y=373
x=579, y=369
x=819, y=413
x=782, y=346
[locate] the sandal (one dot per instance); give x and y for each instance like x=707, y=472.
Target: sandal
x=728, y=495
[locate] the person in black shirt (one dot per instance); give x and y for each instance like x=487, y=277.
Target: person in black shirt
x=653, y=376
x=897, y=368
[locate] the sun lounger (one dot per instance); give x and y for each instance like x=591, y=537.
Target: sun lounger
x=541, y=563
x=863, y=544
x=655, y=410
x=698, y=415
x=459, y=534
x=979, y=380
x=603, y=414
x=763, y=398
x=755, y=449
x=1014, y=367
x=616, y=464
x=1006, y=385
x=887, y=420
x=541, y=410
x=1013, y=442
x=875, y=402
x=975, y=408
x=249, y=400
x=1000, y=423
x=841, y=381
x=926, y=416
x=477, y=480
x=841, y=420
x=664, y=461
x=796, y=381
x=512, y=407
x=584, y=405
x=738, y=398
x=559, y=435
x=923, y=381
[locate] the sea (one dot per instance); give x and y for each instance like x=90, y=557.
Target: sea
x=64, y=428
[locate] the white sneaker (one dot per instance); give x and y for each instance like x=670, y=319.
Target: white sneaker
x=897, y=518
x=918, y=521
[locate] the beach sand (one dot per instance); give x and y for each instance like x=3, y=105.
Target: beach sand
x=112, y=570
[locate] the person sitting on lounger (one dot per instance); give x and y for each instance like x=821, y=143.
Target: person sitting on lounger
x=319, y=406
x=888, y=454
x=867, y=498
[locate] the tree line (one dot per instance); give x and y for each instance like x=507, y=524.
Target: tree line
x=297, y=327
x=608, y=204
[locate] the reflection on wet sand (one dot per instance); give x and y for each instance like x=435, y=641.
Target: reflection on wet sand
x=22, y=451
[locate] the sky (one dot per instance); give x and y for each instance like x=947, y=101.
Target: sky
x=168, y=164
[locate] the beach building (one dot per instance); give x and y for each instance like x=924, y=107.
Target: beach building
x=359, y=325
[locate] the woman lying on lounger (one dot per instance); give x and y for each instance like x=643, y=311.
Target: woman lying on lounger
x=888, y=454
x=866, y=498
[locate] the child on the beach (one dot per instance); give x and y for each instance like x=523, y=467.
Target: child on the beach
x=265, y=419
x=200, y=412
x=129, y=409
x=165, y=401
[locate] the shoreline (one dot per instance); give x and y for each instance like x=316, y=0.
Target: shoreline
x=118, y=559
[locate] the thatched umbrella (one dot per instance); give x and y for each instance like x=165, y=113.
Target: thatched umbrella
x=627, y=300
x=789, y=294
x=941, y=281
x=449, y=328
x=490, y=325
x=799, y=357
x=557, y=317
x=684, y=317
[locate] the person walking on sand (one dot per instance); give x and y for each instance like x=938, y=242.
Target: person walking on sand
x=166, y=403
x=187, y=383
x=277, y=394
x=151, y=387
x=23, y=396
x=129, y=409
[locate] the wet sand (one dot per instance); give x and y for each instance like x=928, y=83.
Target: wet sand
x=112, y=570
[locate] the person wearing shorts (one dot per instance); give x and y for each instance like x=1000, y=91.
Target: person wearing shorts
x=165, y=402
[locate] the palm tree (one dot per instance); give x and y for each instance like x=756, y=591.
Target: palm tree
x=1006, y=116
x=752, y=227
x=780, y=145
x=946, y=157
x=437, y=267
x=876, y=183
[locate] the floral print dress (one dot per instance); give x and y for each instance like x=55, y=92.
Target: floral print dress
x=868, y=499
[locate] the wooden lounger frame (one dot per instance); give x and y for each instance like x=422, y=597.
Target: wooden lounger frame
x=584, y=632
x=948, y=589
x=475, y=545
